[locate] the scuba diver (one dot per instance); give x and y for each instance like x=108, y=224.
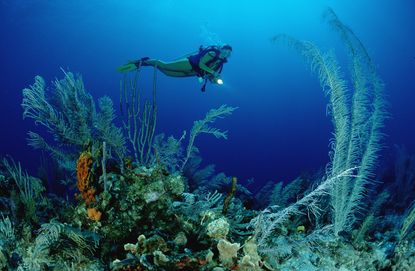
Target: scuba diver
x=206, y=64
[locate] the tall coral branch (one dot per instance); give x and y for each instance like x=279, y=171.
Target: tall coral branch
x=140, y=121
x=202, y=126
x=358, y=117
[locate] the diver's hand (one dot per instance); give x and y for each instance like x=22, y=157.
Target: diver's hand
x=216, y=79
x=215, y=75
x=211, y=78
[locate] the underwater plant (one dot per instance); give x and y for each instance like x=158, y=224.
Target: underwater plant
x=365, y=123
x=283, y=194
x=358, y=114
x=202, y=126
x=269, y=219
x=404, y=178
x=169, y=153
x=7, y=234
x=140, y=120
x=407, y=223
x=29, y=188
x=70, y=116
x=58, y=245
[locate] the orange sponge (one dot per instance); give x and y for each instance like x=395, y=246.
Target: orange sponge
x=84, y=176
x=94, y=214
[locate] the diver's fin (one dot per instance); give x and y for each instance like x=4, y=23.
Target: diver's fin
x=133, y=65
x=127, y=67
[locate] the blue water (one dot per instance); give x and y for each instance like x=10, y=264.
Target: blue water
x=280, y=129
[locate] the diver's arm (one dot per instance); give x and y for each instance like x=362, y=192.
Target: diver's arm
x=203, y=66
x=206, y=68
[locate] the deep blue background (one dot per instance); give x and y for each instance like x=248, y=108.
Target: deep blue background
x=280, y=129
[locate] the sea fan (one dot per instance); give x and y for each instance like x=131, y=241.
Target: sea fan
x=71, y=119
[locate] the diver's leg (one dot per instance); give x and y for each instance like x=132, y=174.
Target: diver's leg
x=181, y=65
x=177, y=74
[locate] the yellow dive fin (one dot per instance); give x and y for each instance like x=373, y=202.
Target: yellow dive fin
x=127, y=67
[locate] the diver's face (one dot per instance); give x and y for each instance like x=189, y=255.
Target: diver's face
x=226, y=52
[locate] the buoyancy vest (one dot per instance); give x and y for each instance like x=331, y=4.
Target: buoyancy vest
x=195, y=59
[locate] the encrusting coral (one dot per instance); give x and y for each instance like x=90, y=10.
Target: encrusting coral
x=228, y=252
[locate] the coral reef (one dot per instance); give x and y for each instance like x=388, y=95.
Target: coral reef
x=162, y=210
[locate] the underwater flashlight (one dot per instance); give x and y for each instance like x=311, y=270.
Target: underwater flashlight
x=219, y=81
